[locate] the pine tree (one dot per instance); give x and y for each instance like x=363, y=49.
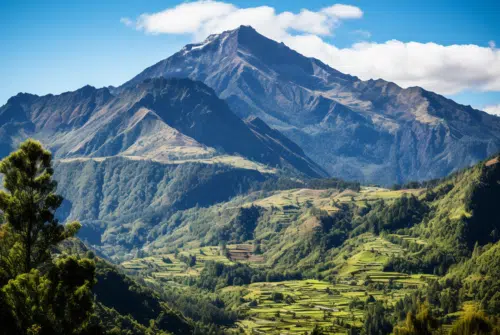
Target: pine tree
x=37, y=295
x=30, y=203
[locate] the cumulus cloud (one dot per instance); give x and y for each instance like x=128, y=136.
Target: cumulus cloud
x=201, y=18
x=493, y=109
x=343, y=11
x=444, y=69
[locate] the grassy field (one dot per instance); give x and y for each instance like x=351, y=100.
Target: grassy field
x=235, y=161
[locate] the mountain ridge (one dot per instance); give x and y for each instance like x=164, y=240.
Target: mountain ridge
x=412, y=133
x=156, y=119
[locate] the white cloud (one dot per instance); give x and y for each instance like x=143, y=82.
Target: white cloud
x=443, y=69
x=493, y=109
x=201, y=18
x=343, y=11
x=126, y=21
x=186, y=18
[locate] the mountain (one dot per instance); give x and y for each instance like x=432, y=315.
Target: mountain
x=372, y=131
x=125, y=162
x=161, y=120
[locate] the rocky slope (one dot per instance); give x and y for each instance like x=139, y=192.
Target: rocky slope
x=161, y=120
x=374, y=131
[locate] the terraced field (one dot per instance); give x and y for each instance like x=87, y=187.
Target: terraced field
x=369, y=256
x=169, y=266
x=328, y=199
x=290, y=200
x=408, y=239
x=355, y=270
x=294, y=307
x=305, y=303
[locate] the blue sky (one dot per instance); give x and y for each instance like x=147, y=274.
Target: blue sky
x=58, y=46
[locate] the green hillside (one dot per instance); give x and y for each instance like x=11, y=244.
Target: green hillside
x=367, y=245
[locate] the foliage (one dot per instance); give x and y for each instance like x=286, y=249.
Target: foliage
x=404, y=212
x=116, y=290
x=421, y=323
x=242, y=226
x=30, y=203
x=474, y=322
x=60, y=302
x=200, y=306
x=376, y=321
x=286, y=183
x=38, y=295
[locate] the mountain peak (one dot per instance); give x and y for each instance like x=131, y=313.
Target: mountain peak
x=336, y=118
x=243, y=29
x=247, y=30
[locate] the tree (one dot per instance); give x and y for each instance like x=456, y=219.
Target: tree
x=376, y=322
x=277, y=297
x=473, y=323
x=60, y=302
x=30, y=203
x=256, y=247
x=421, y=323
x=317, y=330
x=37, y=295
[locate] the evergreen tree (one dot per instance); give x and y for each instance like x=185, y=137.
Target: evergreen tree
x=30, y=203
x=376, y=322
x=60, y=302
x=421, y=323
x=37, y=295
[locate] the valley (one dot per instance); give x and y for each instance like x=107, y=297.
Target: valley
x=333, y=296
x=292, y=307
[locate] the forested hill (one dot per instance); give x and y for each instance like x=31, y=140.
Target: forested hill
x=439, y=239
x=302, y=226
x=124, y=305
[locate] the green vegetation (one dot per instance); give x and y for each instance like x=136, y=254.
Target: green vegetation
x=334, y=258
x=39, y=295
x=365, y=260
x=48, y=280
